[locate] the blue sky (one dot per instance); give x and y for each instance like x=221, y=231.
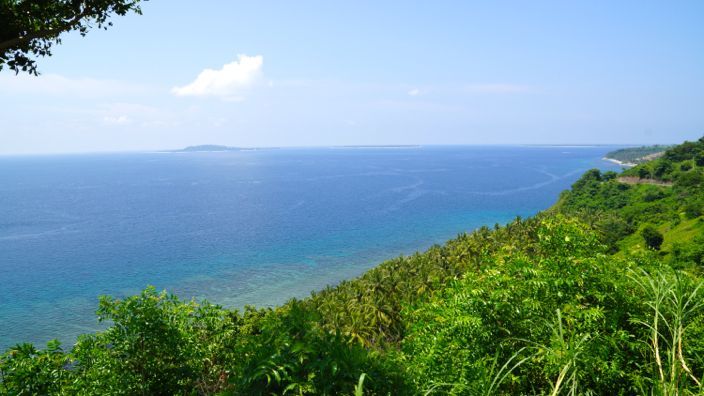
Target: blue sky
x=317, y=73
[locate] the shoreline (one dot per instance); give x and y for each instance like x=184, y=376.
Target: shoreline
x=617, y=162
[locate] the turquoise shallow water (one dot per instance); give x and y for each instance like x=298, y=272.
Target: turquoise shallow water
x=251, y=227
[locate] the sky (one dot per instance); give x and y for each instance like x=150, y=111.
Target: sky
x=322, y=73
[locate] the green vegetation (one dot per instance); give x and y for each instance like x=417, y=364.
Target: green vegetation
x=637, y=155
x=29, y=29
x=652, y=237
x=601, y=294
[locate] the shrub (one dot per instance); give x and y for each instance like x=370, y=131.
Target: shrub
x=157, y=345
x=694, y=209
x=662, y=169
x=688, y=253
x=25, y=370
x=699, y=159
x=653, y=193
x=612, y=230
x=690, y=179
x=653, y=238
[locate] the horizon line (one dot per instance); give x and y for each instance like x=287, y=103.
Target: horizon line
x=351, y=146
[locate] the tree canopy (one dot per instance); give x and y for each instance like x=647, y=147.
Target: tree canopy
x=29, y=28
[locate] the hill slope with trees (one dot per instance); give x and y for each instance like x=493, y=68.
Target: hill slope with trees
x=600, y=294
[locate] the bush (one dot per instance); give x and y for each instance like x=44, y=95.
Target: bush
x=690, y=179
x=653, y=193
x=24, y=370
x=688, y=253
x=694, y=209
x=653, y=238
x=699, y=159
x=612, y=229
x=156, y=345
x=662, y=169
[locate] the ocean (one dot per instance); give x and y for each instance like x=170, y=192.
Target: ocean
x=249, y=227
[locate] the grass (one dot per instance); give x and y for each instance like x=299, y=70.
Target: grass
x=684, y=232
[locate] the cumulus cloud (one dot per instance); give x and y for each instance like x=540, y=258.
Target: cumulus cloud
x=229, y=82
x=414, y=92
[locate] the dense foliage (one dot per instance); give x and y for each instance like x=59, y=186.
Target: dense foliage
x=572, y=301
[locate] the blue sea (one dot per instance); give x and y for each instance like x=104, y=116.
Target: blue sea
x=249, y=227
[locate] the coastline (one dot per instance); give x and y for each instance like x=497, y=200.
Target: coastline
x=617, y=162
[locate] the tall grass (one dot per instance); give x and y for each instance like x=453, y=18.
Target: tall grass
x=673, y=301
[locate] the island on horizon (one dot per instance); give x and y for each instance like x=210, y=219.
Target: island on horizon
x=205, y=148
x=217, y=148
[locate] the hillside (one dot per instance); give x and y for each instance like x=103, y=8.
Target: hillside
x=598, y=295
x=666, y=192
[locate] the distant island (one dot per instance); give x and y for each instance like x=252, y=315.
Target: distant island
x=633, y=156
x=218, y=148
x=214, y=148
x=381, y=146
x=210, y=147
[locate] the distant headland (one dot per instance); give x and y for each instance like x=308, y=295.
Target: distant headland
x=632, y=156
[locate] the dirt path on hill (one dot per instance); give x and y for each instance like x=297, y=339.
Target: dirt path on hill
x=637, y=180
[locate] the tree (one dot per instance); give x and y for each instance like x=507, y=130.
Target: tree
x=609, y=175
x=699, y=159
x=29, y=28
x=653, y=238
x=662, y=168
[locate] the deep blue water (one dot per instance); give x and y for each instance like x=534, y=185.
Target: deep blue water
x=253, y=227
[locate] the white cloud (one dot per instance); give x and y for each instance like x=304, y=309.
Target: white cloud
x=414, y=92
x=229, y=82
